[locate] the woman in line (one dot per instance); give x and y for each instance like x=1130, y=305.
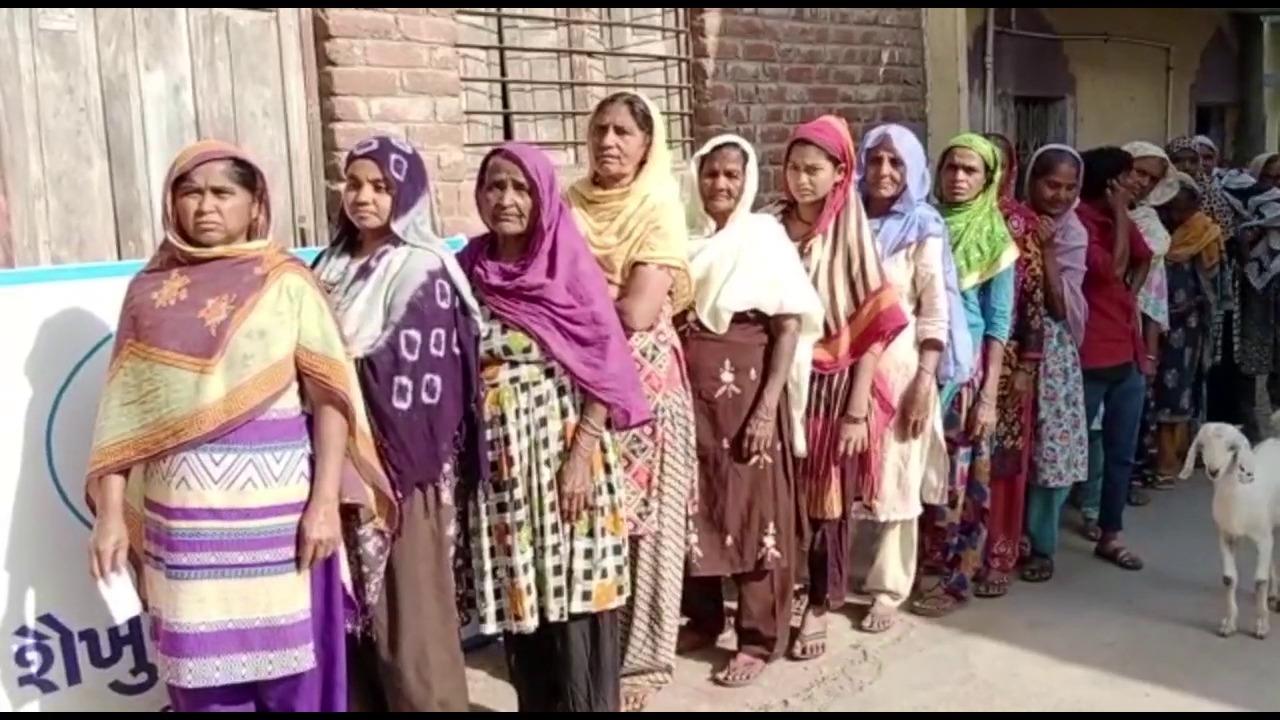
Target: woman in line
x=1061, y=449
x=411, y=322
x=749, y=344
x=629, y=208
x=849, y=403
x=1014, y=435
x=955, y=534
x=1152, y=182
x=935, y=347
x=1240, y=337
x=1193, y=261
x=227, y=349
x=548, y=532
x=1113, y=356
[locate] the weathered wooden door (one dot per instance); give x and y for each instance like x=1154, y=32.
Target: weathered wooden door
x=94, y=104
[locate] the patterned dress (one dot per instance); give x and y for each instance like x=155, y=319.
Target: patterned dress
x=530, y=566
x=1061, y=456
x=661, y=464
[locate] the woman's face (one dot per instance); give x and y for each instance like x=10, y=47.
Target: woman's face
x=1055, y=192
x=721, y=176
x=886, y=174
x=811, y=173
x=213, y=209
x=963, y=175
x=506, y=198
x=368, y=195
x=618, y=145
x=1208, y=158
x=1187, y=160
x=1270, y=175
x=1147, y=172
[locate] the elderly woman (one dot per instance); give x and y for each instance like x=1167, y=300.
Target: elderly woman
x=749, y=345
x=911, y=236
x=548, y=534
x=849, y=402
x=411, y=322
x=227, y=349
x=629, y=208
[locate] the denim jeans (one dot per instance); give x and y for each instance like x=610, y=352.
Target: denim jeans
x=1123, y=391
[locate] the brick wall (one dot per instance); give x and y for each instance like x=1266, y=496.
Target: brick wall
x=395, y=71
x=760, y=71
x=757, y=72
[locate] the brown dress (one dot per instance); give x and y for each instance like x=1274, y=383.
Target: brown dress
x=744, y=526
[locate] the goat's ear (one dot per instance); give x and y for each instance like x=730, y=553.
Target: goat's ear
x=1193, y=455
x=1242, y=454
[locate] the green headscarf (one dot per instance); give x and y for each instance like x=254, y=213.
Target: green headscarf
x=980, y=239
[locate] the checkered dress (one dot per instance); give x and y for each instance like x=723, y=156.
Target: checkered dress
x=528, y=565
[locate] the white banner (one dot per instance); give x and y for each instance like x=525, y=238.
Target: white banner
x=64, y=654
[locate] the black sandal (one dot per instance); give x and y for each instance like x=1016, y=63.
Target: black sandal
x=1118, y=555
x=1037, y=570
x=1138, y=497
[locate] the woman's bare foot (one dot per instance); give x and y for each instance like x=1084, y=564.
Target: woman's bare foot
x=811, y=643
x=742, y=670
x=880, y=618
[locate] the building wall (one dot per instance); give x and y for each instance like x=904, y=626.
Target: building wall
x=1120, y=89
x=760, y=71
x=756, y=71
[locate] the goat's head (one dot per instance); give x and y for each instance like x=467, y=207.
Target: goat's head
x=1225, y=449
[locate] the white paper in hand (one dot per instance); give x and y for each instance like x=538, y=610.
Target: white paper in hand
x=120, y=596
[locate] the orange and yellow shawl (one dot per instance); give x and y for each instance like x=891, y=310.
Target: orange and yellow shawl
x=209, y=338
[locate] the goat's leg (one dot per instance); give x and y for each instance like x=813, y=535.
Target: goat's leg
x=1227, y=545
x=1274, y=598
x=1262, y=586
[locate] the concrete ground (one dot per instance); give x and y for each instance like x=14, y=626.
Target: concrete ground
x=1094, y=638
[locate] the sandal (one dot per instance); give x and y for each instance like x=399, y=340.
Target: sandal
x=1118, y=555
x=741, y=671
x=1162, y=482
x=1138, y=497
x=996, y=586
x=810, y=644
x=635, y=698
x=880, y=618
x=936, y=603
x=1091, y=531
x=1037, y=570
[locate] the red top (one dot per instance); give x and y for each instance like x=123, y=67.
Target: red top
x=1112, y=335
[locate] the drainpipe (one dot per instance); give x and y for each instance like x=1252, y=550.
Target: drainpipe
x=1104, y=38
x=989, y=68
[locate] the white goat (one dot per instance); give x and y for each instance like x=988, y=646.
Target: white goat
x=1246, y=504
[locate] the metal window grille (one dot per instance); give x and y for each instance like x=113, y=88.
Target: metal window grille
x=535, y=74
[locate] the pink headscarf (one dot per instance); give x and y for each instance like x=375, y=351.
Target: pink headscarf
x=557, y=293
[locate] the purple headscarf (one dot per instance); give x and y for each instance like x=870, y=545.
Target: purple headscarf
x=557, y=293
x=912, y=220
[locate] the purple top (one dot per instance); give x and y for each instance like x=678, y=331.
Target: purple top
x=557, y=294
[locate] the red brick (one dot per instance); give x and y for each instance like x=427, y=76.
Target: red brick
x=760, y=51
x=436, y=135
x=775, y=134
x=709, y=115
x=402, y=109
x=726, y=49
x=342, y=51
x=814, y=55
x=844, y=35
x=344, y=135
x=775, y=115
x=341, y=107
x=358, y=81
x=773, y=94
x=743, y=27
x=743, y=71
x=387, y=53
x=738, y=113
x=429, y=29
x=823, y=94
x=431, y=82
x=352, y=23
x=720, y=92
x=798, y=74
